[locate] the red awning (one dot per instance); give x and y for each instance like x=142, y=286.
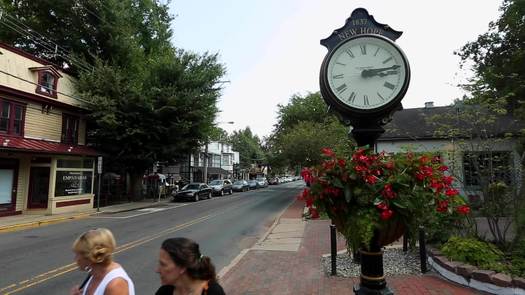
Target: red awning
x=44, y=146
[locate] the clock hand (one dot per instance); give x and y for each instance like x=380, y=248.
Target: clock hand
x=387, y=73
x=372, y=72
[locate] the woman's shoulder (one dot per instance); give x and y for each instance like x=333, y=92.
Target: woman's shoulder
x=215, y=289
x=165, y=290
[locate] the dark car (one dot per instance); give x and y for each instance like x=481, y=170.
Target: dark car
x=253, y=184
x=240, y=186
x=193, y=191
x=221, y=186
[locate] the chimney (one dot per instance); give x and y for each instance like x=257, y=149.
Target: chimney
x=429, y=104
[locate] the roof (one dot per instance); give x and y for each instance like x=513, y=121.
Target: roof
x=416, y=123
x=20, y=144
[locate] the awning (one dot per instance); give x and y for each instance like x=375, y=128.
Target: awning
x=19, y=144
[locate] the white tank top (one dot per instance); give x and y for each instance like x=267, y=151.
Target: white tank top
x=116, y=273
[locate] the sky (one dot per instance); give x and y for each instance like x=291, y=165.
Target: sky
x=271, y=48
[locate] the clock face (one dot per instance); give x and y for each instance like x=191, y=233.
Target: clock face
x=367, y=72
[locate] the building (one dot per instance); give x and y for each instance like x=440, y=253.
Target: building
x=221, y=163
x=45, y=166
x=478, y=141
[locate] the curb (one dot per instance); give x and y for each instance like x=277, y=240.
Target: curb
x=14, y=227
x=238, y=258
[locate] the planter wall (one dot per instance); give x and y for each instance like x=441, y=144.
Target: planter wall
x=468, y=275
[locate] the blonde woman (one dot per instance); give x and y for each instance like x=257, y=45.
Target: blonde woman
x=93, y=253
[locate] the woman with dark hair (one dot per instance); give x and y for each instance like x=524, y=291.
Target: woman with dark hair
x=184, y=270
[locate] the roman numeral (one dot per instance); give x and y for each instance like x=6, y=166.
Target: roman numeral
x=376, y=51
x=365, y=100
x=339, y=76
x=351, y=98
x=341, y=88
x=387, y=60
x=363, y=49
x=349, y=53
x=382, y=98
x=389, y=85
x=341, y=64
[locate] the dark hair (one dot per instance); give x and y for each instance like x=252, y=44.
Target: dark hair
x=185, y=253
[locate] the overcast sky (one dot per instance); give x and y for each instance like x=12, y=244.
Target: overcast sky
x=271, y=47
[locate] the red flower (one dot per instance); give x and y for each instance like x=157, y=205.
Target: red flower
x=423, y=159
x=443, y=168
x=307, y=175
x=371, y=179
x=341, y=162
x=314, y=213
x=382, y=206
x=463, y=209
x=436, y=185
x=447, y=180
x=389, y=165
x=388, y=192
x=450, y=192
x=328, y=152
x=442, y=206
x=304, y=195
x=436, y=159
x=386, y=214
x=331, y=191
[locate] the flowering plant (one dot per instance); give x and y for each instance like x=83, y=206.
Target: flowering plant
x=367, y=193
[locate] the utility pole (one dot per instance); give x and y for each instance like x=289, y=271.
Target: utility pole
x=205, y=172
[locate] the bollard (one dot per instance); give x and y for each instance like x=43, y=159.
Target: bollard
x=333, y=242
x=405, y=241
x=422, y=249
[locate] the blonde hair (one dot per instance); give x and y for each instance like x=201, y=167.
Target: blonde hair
x=97, y=245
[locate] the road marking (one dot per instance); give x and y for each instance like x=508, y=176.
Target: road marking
x=139, y=214
x=22, y=285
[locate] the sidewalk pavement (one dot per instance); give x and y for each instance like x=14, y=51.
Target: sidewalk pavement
x=287, y=260
x=23, y=221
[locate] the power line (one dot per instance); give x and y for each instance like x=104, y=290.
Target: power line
x=38, y=38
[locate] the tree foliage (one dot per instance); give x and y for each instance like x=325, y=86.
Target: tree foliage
x=304, y=127
x=149, y=100
x=498, y=59
x=249, y=147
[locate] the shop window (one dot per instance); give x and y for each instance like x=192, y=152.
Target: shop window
x=74, y=176
x=47, y=83
x=479, y=167
x=11, y=118
x=69, y=129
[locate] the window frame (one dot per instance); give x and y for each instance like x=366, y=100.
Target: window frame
x=471, y=173
x=40, y=83
x=64, y=136
x=12, y=117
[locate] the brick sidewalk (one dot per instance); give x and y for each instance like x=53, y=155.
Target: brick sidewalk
x=285, y=272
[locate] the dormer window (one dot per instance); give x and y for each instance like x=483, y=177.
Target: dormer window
x=47, y=80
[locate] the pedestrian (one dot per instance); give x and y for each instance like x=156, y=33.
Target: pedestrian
x=93, y=253
x=184, y=270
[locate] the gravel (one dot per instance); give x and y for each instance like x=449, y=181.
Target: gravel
x=395, y=262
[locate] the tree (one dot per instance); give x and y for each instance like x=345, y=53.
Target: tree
x=498, y=60
x=249, y=147
x=149, y=101
x=304, y=127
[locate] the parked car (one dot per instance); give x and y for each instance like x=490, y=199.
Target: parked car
x=262, y=182
x=240, y=186
x=193, y=191
x=221, y=186
x=253, y=184
x=273, y=181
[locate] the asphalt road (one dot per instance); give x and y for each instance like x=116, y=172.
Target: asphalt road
x=40, y=260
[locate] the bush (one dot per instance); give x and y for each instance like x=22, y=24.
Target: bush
x=474, y=252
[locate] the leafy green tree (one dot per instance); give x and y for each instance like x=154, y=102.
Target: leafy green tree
x=304, y=127
x=249, y=147
x=498, y=59
x=149, y=101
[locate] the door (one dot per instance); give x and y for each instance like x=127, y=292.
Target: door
x=8, y=183
x=38, y=187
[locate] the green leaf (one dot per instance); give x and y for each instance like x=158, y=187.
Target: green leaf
x=348, y=194
x=337, y=183
x=398, y=204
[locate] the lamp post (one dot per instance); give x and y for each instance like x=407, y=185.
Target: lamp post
x=205, y=168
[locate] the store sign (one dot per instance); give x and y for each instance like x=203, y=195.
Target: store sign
x=73, y=183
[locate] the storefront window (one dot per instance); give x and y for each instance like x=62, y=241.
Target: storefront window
x=74, y=177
